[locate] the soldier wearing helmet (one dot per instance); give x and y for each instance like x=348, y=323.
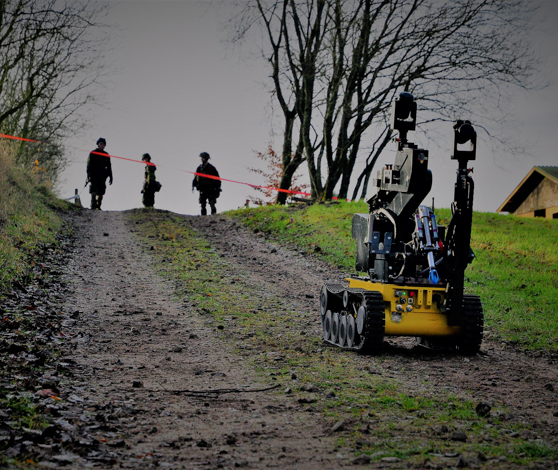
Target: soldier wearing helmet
x=150, y=184
x=209, y=188
x=98, y=170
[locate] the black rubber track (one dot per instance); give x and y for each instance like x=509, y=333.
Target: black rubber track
x=372, y=339
x=470, y=340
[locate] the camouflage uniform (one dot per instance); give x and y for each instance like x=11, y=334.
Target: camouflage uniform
x=98, y=170
x=209, y=188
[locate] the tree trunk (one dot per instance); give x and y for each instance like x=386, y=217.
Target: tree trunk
x=291, y=162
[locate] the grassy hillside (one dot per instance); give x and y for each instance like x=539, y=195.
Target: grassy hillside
x=28, y=218
x=515, y=271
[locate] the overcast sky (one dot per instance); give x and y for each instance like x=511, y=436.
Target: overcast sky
x=177, y=90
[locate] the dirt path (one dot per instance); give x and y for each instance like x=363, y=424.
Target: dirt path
x=135, y=340
x=138, y=340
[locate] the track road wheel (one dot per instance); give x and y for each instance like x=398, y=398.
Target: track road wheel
x=469, y=342
x=373, y=319
x=327, y=325
x=346, y=299
x=351, y=331
x=335, y=328
x=324, y=296
x=342, y=339
x=361, y=319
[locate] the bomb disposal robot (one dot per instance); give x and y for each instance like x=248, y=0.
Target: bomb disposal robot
x=414, y=268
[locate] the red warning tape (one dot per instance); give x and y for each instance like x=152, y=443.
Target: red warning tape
x=247, y=184
x=191, y=172
x=122, y=158
x=19, y=138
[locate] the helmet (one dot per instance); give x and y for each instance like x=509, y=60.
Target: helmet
x=146, y=156
x=101, y=140
x=204, y=155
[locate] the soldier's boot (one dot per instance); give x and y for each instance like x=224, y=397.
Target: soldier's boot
x=93, y=201
x=213, y=209
x=99, y=201
x=203, y=209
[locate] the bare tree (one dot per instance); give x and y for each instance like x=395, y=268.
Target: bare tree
x=294, y=34
x=455, y=57
x=51, y=54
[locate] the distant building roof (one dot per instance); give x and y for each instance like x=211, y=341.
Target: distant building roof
x=526, y=187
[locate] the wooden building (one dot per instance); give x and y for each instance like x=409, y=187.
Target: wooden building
x=536, y=195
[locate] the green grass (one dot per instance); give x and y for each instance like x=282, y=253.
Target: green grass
x=516, y=275
x=381, y=413
x=323, y=229
x=29, y=221
x=515, y=271
x=22, y=411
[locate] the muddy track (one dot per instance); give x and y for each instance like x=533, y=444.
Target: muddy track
x=135, y=343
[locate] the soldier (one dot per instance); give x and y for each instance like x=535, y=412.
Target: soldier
x=98, y=170
x=150, y=185
x=209, y=188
